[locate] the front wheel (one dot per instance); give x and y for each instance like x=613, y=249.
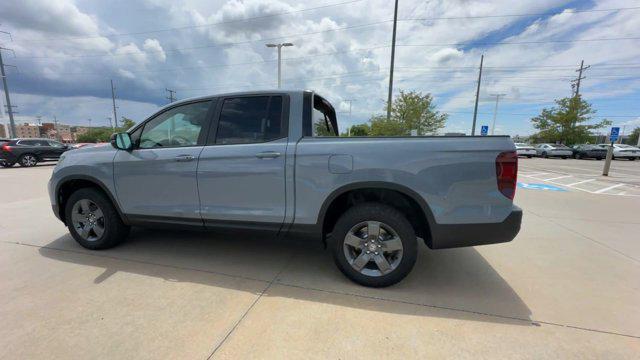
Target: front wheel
x=374, y=245
x=93, y=221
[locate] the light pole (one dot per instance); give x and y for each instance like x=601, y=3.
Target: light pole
x=279, y=46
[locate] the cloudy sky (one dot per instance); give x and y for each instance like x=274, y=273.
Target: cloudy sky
x=67, y=51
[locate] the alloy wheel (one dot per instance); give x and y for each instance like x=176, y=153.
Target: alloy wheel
x=88, y=219
x=373, y=248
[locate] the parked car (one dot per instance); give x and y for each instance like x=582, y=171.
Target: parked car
x=587, y=151
x=525, y=150
x=273, y=162
x=29, y=152
x=623, y=151
x=2, y=142
x=553, y=150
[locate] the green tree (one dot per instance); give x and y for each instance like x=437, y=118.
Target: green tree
x=565, y=122
x=416, y=111
x=380, y=126
x=95, y=135
x=126, y=124
x=633, y=137
x=360, y=130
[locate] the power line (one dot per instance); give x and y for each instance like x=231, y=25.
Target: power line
x=213, y=45
x=519, y=15
x=321, y=32
x=186, y=27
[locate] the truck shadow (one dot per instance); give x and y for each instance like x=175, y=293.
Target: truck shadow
x=456, y=283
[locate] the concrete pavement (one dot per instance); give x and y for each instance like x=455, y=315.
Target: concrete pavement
x=566, y=287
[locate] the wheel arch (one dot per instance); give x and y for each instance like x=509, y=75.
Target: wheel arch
x=69, y=184
x=422, y=218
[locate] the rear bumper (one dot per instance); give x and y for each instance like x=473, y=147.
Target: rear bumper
x=526, y=152
x=9, y=157
x=460, y=235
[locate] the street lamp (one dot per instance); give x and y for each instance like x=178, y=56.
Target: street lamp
x=279, y=46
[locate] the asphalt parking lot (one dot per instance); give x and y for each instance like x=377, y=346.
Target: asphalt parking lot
x=567, y=287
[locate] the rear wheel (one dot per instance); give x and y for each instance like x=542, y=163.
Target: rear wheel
x=6, y=164
x=28, y=160
x=93, y=221
x=374, y=245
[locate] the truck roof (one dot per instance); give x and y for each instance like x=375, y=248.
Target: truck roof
x=238, y=93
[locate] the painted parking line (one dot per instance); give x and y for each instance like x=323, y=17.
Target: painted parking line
x=581, y=182
x=558, y=177
x=607, y=188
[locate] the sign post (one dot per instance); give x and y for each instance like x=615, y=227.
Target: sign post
x=615, y=131
x=484, y=130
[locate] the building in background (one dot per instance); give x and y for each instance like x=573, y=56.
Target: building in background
x=59, y=132
x=28, y=131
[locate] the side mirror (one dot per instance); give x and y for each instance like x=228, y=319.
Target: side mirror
x=121, y=141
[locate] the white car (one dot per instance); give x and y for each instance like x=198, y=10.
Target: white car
x=524, y=149
x=623, y=151
x=554, y=150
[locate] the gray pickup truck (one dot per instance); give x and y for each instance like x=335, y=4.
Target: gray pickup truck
x=273, y=162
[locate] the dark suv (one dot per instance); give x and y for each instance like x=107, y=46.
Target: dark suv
x=29, y=152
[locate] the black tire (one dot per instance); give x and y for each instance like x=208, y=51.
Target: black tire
x=115, y=231
x=544, y=155
x=529, y=156
x=6, y=164
x=28, y=160
x=388, y=217
x=564, y=157
x=577, y=156
x=632, y=159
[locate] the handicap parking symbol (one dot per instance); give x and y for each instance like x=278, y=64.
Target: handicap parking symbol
x=540, y=187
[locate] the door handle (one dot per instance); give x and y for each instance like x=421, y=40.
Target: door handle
x=184, y=158
x=268, y=155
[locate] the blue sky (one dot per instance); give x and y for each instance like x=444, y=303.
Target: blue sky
x=67, y=51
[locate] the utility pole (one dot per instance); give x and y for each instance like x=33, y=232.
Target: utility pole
x=279, y=46
x=393, y=55
x=495, y=111
x=580, y=77
x=12, y=124
x=113, y=99
x=55, y=127
x=171, y=96
x=475, y=109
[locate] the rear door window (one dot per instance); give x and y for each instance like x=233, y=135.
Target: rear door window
x=251, y=119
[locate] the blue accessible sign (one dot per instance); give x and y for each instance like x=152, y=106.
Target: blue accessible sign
x=540, y=187
x=484, y=130
x=615, y=132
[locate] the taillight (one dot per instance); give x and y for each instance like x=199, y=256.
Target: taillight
x=6, y=147
x=507, y=173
